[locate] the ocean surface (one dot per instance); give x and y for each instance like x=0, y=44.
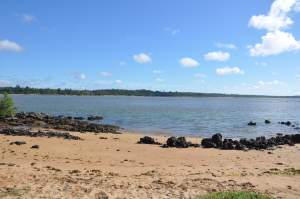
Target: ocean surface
x=175, y=115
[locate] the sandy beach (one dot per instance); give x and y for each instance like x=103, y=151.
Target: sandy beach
x=115, y=166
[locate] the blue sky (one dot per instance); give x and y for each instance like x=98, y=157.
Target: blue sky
x=232, y=46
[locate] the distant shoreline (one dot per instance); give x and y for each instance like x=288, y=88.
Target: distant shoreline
x=122, y=92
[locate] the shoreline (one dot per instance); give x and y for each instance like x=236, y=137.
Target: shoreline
x=116, y=165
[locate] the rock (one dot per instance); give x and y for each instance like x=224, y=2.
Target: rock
x=93, y=118
x=171, y=142
x=101, y=195
x=78, y=118
x=208, y=143
x=35, y=146
x=18, y=143
x=148, y=140
x=217, y=139
x=252, y=123
x=267, y=121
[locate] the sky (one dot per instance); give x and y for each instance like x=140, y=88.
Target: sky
x=212, y=46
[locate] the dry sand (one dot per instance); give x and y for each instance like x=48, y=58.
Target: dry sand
x=117, y=167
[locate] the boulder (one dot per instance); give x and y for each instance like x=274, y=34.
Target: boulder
x=148, y=140
x=267, y=121
x=252, y=123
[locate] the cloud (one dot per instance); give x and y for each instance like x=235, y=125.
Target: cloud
x=4, y=83
x=142, y=58
x=79, y=76
x=105, y=74
x=199, y=75
x=188, y=62
x=261, y=84
x=298, y=76
x=261, y=64
x=217, y=56
x=122, y=63
x=172, y=31
x=229, y=71
x=224, y=45
x=27, y=18
x=6, y=45
x=274, y=43
x=119, y=81
x=157, y=72
x=159, y=80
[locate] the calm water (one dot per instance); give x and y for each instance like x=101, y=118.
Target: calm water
x=179, y=116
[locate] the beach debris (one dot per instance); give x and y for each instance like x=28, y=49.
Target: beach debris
x=17, y=143
x=251, y=123
x=35, y=146
x=267, y=122
x=148, y=140
x=27, y=132
x=245, y=144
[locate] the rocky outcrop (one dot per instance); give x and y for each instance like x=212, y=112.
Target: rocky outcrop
x=178, y=142
x=27, y=132
x=32, y=119
x=258, y=143
x=148, y=140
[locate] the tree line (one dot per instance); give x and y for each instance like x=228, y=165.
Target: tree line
x=123, y=92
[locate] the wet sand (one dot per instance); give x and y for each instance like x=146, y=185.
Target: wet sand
x=114, y=165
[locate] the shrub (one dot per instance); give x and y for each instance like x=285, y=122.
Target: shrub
x=7, y=107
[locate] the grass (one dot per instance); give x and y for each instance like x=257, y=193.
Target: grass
x=234, y=195
x=289, y=171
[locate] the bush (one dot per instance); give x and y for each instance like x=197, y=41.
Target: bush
x=234, y=195
x=7, y=107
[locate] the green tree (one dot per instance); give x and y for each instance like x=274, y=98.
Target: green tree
x=7, y=107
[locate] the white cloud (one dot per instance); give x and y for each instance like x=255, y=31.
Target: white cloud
x=172, y=31
x=159, y=80
x=261, y=64
x=118, y=81
x=6, y=45
x=217, y=56
x=122, y=63
x=105, y=74
x=4, y=83
x=274, y=43
x=27, y=18
x=199, y=75
x=79, y=76
x=157, y=72
x=298, y=76
x=229, y=71
x=261, y=84
x=224, y=45
x=142, y=58
x=188, y=62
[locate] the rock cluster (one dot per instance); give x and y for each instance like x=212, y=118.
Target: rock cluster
x=178, y=142
x=216, y=141
x=58, y=122
x=148, y=140
x=27, y=132
x=93, y=118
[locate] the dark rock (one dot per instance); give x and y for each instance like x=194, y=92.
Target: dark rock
x=252, y=123
x=35, y=146
x=18, y=143
x=93, y=118
x=148, y=140
x=179, y=142
x=171, y=142
x=78, y=118
x=217, y=139
x=267, y=121
x=208, y=143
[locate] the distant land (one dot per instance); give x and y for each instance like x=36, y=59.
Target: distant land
x=120, y=92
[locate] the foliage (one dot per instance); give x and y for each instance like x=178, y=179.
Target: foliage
x=234, y=195
x=7, y=106
x=141, y=92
